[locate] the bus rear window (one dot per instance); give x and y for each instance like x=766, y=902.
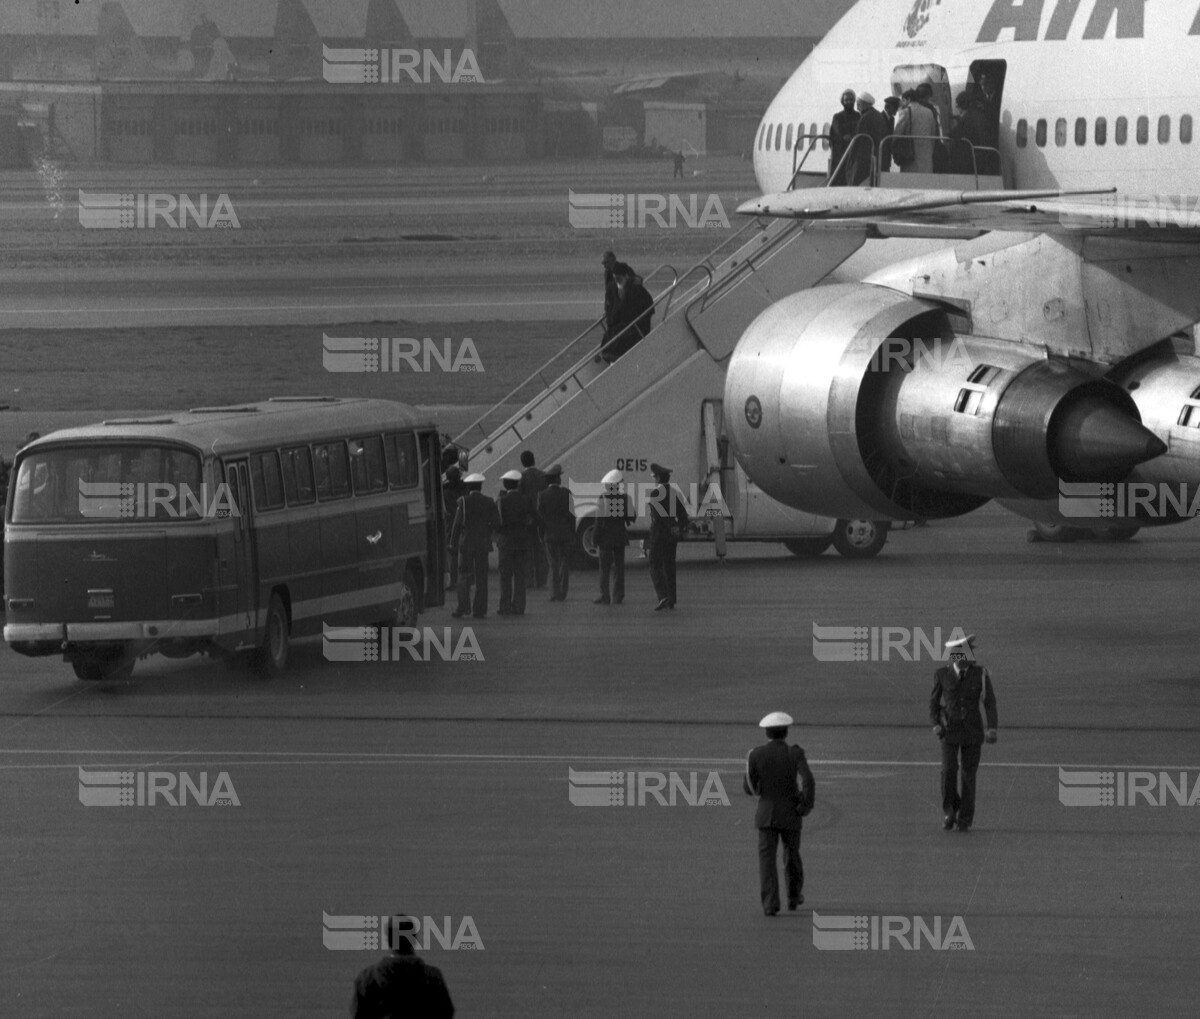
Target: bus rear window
x=131, y=482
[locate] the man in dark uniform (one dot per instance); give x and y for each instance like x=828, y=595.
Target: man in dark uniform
x=612, y=535
x=771, y=773
x=475, y=520
x=954, y=712
x=556, y=521
x=453, y=489
x=668, y=520
x=533, y=483
x=400, y=984
x=516, y=518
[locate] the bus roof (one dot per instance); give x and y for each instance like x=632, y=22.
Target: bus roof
x=278, y=421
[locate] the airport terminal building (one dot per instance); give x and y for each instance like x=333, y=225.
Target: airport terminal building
x=129, y=82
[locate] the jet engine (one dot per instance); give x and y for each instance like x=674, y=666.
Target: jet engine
x=861, y=402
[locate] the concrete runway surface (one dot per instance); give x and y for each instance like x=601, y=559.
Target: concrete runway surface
x=442, y=789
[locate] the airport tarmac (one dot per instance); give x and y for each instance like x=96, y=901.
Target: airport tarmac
x=442, y=788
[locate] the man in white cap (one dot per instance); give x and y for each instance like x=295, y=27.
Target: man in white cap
x=954, y=713
x=612, y=536
x=475, y=520
x=516, y=518
x=771, y=775
x=873, y=124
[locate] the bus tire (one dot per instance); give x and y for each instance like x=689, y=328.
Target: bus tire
x=407, y=602
x=860, y=539
x=95, y=668
x=272, y=655
x=805, y=547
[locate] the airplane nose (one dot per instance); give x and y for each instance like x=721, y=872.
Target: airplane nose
x=1096, y=441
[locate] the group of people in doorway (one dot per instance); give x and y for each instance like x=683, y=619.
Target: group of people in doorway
x=920, y=141
x=532, y=522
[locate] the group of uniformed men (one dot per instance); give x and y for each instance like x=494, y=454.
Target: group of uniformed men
x=534, y=525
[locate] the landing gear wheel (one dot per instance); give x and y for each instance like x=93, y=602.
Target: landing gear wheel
x=860, y=539
x=586, y=554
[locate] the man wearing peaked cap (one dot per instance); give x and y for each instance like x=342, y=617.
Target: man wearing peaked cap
x=556, y=523
x=954, y=713
x=668, y=522
x=475, y=520
x=516, y=517
x=771, y=774
x=611, y=536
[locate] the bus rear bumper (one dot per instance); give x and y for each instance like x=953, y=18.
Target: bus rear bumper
x=37, y=639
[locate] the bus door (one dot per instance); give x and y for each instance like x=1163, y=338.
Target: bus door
x=436, y=528
x=238, y=564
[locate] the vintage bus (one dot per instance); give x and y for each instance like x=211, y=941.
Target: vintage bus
x=229, y=531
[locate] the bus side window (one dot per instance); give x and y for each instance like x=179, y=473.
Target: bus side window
x=266, y=481
x=298, y=476
x=402, y=467
x=367, y=465
x=332, y=470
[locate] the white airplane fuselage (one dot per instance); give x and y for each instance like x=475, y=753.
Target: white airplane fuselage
x=1070, y=374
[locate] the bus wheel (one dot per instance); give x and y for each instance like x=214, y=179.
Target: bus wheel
x=860, y=539
x=94, y=668
x=405, y=612
x=273, y=652
x=807, y=546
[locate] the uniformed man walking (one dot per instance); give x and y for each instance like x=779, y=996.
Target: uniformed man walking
x=668, y=521
x=556, y=521
x=612, y=536
x=516, y=518
x=401, y=983
x=954, y=712
x=475, y=520
x=772, y=771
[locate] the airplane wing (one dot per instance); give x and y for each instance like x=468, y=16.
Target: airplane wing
x=1158, y=217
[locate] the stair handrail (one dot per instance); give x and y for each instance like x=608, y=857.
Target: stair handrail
x=691, y=294
x=539, y=373
x=818, y=136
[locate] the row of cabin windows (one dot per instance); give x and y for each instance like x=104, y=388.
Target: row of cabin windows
x=774, y=137
x=1099, y=132
x=300, y=475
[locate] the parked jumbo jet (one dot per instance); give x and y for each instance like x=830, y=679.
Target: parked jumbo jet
x=1026, y=342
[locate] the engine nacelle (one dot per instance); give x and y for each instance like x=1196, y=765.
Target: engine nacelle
x=859, y=401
